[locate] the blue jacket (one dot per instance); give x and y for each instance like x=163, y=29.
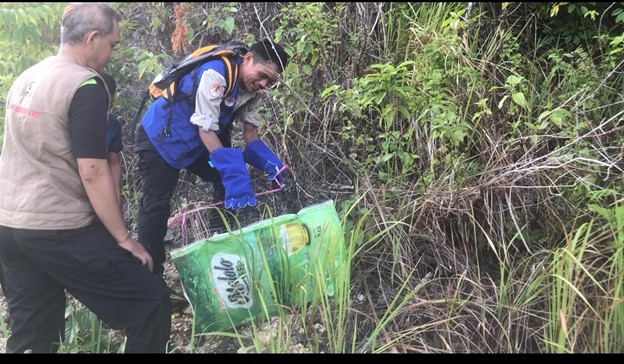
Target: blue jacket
x=113, y=134
x=182, y=146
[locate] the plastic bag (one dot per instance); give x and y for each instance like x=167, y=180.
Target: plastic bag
x=233, y=278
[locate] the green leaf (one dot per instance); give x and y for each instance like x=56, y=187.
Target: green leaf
x=315, y=57
x=576, y=40
x=227, y=24
x=559, y=116
x=142, y=67
x=329, y=90
x=519, y=99
x=365, y=100
x=307, y=69
x=605, y=213
x=190, y=34
x=379, y=97
x=307, y=48
x=543, y=115
x=300, y=46
x=400, y=90
x=617, y=40
x=379, y=66
x=406, y=63
x=457, y=136
x=384, y=176
x=385, y=158
x=513, y=80
x=404, y=112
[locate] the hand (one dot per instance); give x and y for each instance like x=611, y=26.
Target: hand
x=138, y=251
x=231, y=166
x=260, y=156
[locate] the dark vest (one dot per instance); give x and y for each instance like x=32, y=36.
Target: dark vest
x=180, y=144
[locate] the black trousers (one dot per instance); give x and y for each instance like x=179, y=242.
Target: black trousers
x=39, y=265
x=158, y=182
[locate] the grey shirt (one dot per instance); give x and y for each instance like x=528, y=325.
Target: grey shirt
x=208, y=101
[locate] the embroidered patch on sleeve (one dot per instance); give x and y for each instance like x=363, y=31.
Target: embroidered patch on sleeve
x=216, y=90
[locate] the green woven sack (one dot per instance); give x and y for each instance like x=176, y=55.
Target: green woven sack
x=233, y=278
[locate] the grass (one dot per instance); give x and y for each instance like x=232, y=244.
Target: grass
x=329, y=323
x=4, y=329
x=586, y=298
x=480, y=194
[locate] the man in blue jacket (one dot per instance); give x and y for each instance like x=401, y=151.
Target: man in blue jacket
x=192, y=131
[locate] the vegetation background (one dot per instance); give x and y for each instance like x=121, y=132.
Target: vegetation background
x=474, y=152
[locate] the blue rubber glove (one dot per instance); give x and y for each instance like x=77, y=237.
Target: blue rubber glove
x=260, y=156
x=231, y=166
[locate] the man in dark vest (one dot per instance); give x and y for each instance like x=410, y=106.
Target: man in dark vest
x=61, y=226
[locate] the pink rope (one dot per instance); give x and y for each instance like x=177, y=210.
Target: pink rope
x=175, y=221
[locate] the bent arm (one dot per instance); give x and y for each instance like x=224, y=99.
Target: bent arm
x=207, y=108
x=97, y=180
x=208, y=101
x=250, y=116
x=210, y=139
x=250, y=132
x=87, y=119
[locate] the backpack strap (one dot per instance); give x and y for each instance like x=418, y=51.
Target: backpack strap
x=231, y=73
x=231, y=69
x=231, y=77
x=135, y=121
x=228, y=54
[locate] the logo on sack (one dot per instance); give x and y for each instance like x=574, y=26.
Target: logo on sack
x=231, y=280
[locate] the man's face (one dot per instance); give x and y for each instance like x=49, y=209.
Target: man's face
x=257, y=75
x=102, y=47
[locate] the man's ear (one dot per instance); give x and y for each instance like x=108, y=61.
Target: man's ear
x=91, y=37
x=248, y=57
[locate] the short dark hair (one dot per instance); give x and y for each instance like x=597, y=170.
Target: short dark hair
x=268, y=50
x=110, y=83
